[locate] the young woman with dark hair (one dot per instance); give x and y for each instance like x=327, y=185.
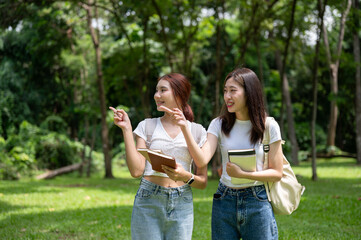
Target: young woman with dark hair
x=243, y=210
x=163, y=205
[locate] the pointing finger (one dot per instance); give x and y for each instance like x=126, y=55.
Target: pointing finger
x=166, y=109
x=113, y=109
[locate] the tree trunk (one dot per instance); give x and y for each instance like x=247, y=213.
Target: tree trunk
x=286, y=96
x=314, y=84
x=333, y=66
x=290, y=121
x=100, y=83
x=356, y=52
x=333, y=108
x=60, y=171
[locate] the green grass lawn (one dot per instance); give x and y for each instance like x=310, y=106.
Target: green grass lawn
x=69, y=207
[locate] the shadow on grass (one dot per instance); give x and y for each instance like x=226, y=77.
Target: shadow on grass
x=93, y=223
x=5, y=207
x=329, y=163
x=56, y=185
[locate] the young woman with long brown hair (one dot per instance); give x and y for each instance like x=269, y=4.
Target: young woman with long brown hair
x=163, y=205
x=243, y=210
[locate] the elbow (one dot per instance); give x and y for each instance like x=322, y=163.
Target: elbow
x=278, y=177
x=136, y=174
x=200, y=164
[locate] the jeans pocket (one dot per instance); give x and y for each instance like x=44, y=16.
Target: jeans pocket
x=143, y=193
x=219, y=195
x=260, y=194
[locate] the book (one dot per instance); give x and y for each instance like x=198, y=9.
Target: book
x=245, y=159
x=156, y=158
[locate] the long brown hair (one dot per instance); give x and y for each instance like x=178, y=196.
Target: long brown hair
x=181, y=90
x=247, y=79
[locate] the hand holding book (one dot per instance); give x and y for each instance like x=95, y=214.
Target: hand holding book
x=246, y=160
x=156, y=158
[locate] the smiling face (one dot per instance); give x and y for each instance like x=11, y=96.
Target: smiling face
x=234, y=97
x=164, y=96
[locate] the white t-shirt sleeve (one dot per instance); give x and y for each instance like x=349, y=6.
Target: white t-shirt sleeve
x=140, y=130
x=215, y=127
x=275, y=132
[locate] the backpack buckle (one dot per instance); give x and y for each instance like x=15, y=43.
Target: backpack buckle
x=266, y=148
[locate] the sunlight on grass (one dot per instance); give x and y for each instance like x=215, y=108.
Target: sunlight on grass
x=70, y=207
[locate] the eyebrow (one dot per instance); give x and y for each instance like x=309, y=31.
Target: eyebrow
x=230, y=87
x=161, y=87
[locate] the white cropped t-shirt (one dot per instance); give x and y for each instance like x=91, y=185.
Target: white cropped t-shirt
x=176, y=147
x=239, y=138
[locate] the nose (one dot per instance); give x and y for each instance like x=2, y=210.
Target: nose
x=156, y=94
x=226, y=95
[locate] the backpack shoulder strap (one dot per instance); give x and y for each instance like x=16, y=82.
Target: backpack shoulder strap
x=266, y=148
x=150, y=124
x=265, y=141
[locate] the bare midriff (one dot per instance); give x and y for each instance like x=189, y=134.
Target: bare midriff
x=164, y=181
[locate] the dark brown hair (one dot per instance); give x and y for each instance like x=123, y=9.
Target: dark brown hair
x=181, y=89
x=247, y=79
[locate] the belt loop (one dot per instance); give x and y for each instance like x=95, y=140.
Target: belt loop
x=179, y=191
x=226, y=191
x=156, y=189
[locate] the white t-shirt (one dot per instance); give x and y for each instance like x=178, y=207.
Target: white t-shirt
x=239, y=138
x=176, y=147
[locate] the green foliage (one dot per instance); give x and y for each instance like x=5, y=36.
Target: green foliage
x=55, y=150
x=34, y=148
x=55, y=124
x=48, y=68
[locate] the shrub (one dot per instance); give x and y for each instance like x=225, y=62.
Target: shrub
x=55, y=151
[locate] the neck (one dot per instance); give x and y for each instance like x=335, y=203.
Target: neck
x=242, y=115
x=166, y=117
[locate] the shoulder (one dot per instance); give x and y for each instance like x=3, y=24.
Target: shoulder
x=273, y=124
x=216, y=122
x=215, y=127
x=274, y=130
x=148, y=123
x=196, y=125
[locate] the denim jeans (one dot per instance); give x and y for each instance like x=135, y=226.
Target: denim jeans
x=242, y=213
x=161, y=213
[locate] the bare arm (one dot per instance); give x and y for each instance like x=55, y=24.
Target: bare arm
x=135, y=160
x=209, y=148
x=272, y=174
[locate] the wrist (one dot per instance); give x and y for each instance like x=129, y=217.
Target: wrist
x=190, y=180
x=127, y=130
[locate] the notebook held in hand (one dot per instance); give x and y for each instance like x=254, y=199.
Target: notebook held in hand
x=156, y=158
x=245, y=159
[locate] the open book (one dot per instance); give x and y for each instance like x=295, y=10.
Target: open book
x=245, y=159
x=156, y=158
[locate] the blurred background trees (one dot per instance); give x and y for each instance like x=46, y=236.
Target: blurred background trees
x=63, y=62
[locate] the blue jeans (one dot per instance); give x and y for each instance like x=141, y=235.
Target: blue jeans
x=161, y=213
x=242, y=213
